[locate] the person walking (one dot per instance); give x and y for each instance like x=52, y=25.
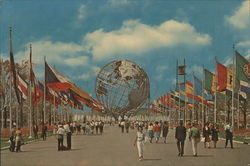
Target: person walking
x=139, y=141
x=60, y=135
x=92, y=126
x=84, y=127
x=229, y=134
x=157, y=133
x=44, y=132
x=12, y=139
x=101, y=125
x=69, y=134
x=122, y=126
x=165, y=130
x=194, y=137
x=215, y=133
x=180, y=136
x=206, y=134
x=151, y=132
x=127, y=124
x=96, y=127
x=18, y=139
x=35, y=131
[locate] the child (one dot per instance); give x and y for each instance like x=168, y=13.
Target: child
x=140, y=137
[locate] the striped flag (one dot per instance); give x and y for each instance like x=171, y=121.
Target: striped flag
x=22, y=86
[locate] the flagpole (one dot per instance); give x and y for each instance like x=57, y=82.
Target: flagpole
x=178, y=86
x=238, y=110
x=202, y=93
x=225, y=107
x=185, y=106
x=11, y=77
x=44, y=94
x=233, y=86
x=54, y=117
x=3, y=90
x=30, y=95
x=193, y=99
x=215, y=103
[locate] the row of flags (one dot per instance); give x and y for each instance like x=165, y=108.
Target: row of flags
x=56, y=88
x=225, y=81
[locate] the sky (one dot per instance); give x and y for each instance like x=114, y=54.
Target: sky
x=79, y=37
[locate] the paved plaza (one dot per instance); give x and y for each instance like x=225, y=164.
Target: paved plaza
x=114, y=148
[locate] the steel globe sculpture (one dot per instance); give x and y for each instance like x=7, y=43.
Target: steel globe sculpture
x=122, y=86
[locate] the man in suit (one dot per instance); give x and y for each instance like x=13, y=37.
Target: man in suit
x=180, y=136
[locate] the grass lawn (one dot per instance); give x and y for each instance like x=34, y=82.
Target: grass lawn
x=4, y=141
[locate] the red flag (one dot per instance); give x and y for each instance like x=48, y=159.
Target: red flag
x=221, y=77
x=55, y=80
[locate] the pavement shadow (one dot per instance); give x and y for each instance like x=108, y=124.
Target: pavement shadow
x=74, y=149
x=199, y=156
x=151, y=159
x=26, y=151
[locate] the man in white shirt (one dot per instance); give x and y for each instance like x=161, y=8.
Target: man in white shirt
x=60, y=134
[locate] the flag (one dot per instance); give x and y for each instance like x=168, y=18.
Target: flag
x=242, y=68
x=221, y=77
x=22, y=86
x=245, y=87
x=40, y=89
x=189, y=88
x=209, y=82
x=58, y=82
x=182, y=89
x=229, y=79
x=55, y=80
x=198, y=86
x=13, y=70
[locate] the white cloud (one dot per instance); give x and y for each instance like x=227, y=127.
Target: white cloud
x=244, y=44
x=77, y=61
x=55, y=52
x=82, y=12
x=240, y=18
x=90, y=74
x=118, y=2
x=135, y=38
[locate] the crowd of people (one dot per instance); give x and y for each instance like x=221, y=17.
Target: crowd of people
x=154, y=132
x=67, y=129
x=209, y=133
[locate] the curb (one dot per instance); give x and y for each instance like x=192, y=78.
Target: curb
x=7, y=147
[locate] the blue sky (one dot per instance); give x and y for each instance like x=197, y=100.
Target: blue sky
x=80, y=37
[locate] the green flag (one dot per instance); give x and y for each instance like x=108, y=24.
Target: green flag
x=242, y=68
x=209, y=82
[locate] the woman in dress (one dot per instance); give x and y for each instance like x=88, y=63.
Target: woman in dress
x=151, y=132
x=206, y=135
x=157, y=130
x=215, y=132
